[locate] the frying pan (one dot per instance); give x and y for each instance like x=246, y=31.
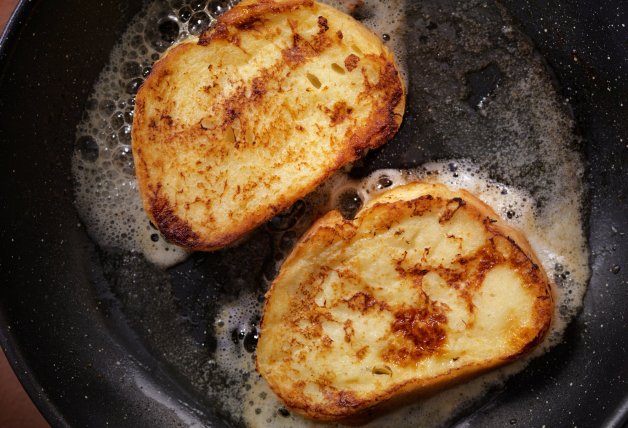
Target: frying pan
x=84, y=356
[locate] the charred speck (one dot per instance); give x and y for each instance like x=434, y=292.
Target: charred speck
x=154, y=237
x=510, y=214
x=283, y=412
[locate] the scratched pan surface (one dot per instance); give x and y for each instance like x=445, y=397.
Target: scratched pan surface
x=97, y=347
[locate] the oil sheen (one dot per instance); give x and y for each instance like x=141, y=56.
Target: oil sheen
x=482, y=114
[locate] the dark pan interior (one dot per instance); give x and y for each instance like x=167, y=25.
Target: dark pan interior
x=80, y=358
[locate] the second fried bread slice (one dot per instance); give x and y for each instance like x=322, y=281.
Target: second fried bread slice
x=233, y=127
x=425, y=287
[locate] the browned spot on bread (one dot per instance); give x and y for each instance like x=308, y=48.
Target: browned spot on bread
x=339, y=113
x=361, y=352
x=322, y=24
x=299, y=52
x=167, y=119
x=351, y=62
x=342, y=399
x=259, y=87
x=423, y=330
x=327, y=341
x=302, y=50
x=362, y=302
x=452, y=206
x=220, y=31
x=347, y=399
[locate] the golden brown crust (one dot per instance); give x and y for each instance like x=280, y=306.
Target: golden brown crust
x=225, y=137
x=437, y=323
x=245, y=16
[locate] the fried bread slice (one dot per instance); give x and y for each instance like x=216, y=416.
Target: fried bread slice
x=425, y=287
x=233, y=127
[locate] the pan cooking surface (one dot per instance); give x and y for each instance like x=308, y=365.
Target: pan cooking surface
x=477, y=90
x=463, y=59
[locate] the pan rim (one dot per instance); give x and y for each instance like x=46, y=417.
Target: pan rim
x=33, y=388
x=7, y=339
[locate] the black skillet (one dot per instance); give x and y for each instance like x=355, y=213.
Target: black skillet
x=85, y=363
